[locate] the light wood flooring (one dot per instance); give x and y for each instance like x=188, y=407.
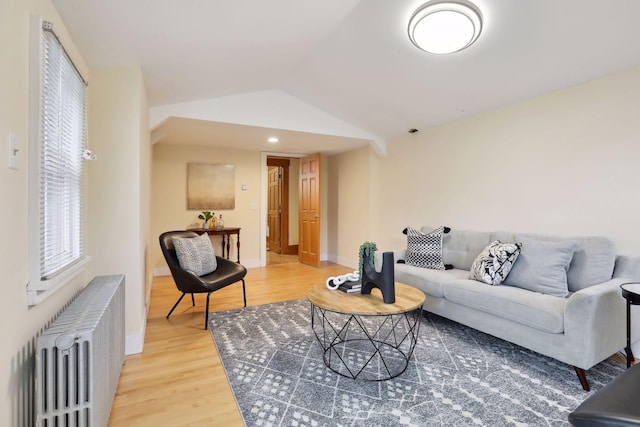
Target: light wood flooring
x=178, y=380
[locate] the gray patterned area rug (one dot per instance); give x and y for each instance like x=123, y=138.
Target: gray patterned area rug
x=456, y=377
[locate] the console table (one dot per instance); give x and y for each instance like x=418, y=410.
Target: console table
x=226, y=233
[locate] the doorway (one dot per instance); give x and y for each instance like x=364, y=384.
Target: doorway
x=282, y=210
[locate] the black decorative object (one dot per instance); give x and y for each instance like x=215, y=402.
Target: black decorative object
x=384, y=280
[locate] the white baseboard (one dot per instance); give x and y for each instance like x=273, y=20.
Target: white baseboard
x=161, y=271
x=344, y=261
x=134, y=344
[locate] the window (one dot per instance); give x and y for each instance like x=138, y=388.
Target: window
x=56, y=165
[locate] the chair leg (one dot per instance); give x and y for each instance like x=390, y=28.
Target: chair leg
x=193, y=301
x=176, y=304
x=206, y=312
x=244, y=294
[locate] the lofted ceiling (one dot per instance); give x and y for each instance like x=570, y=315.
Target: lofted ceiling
x=350, y=59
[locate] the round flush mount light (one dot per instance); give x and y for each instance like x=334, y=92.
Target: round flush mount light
x=273, y=140
x=443, y=27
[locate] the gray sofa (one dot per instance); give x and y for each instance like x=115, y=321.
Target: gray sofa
x=581, y=329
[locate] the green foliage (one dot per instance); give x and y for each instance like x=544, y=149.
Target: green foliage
x=206, y=215
x=368, y=249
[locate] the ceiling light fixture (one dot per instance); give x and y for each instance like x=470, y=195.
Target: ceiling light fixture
x=273, y=140
x=443, y=27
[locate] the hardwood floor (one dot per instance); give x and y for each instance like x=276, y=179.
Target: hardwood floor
x=179, y=380
x=274, y=258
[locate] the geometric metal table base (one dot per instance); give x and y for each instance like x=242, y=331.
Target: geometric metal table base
x=374, y=347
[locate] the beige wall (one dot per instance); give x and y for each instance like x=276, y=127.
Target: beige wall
x=169, y=198
x=565, y=163
x=21, y=323
x=119, y=135
x=348, y=209
x=118, y=178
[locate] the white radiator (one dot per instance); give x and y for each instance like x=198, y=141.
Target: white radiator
x=79, y=357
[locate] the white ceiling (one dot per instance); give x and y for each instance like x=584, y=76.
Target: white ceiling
x=183, y=131
x=352, y=59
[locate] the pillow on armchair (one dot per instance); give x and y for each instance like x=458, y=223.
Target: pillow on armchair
x=195, y=254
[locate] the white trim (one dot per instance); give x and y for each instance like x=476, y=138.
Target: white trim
x=134, y=344
x=161, y=271
x=344, y=261
x=36, y=296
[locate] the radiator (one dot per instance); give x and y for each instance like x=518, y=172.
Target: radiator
x=79, y=357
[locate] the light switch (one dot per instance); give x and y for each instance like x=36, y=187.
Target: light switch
x=244, y=187
x=13, y=151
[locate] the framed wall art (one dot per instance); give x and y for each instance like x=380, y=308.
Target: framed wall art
x=210, y=186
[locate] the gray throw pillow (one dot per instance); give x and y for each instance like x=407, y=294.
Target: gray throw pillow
x=195, y=254
x=424, y=249
x=495, y=262
x=542, y=266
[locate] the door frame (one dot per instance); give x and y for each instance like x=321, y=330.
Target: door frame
x=264, y=181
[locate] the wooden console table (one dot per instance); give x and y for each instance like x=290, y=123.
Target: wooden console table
x=226, y=233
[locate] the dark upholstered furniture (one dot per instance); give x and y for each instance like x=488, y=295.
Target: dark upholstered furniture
x=227, y=273
x=616, y=404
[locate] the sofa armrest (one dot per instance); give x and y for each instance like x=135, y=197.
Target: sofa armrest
x=595, y=322
x=397, y=254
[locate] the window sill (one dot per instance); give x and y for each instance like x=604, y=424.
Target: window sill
x=46, y=288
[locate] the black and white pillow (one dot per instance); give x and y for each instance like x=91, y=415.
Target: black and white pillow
x=195, y=254
x=424, y=249
x=494, y=262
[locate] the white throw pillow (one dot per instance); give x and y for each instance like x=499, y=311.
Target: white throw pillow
x=494, y=263
x=195, y=254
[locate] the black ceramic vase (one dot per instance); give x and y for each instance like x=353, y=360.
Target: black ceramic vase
x=385, y=280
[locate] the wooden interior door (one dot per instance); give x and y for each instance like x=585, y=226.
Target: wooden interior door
x=309, y=215
x=274, y=220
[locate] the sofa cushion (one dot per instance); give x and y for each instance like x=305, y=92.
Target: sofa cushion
x=494, y=262
x=536, y=310
x=593, y=258
x=431, y=282
x=195, y=254
x=424, y=249
x=542, y=266
x=461, y=247
x=627, y=268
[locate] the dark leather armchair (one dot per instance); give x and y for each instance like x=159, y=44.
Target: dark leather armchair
x=227, y=273
x=614, y=405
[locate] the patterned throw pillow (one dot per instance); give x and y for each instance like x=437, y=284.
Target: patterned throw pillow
x=494, y=262
x=195, y=254
x=424, y=249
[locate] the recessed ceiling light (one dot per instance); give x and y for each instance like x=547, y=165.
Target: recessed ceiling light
x=443, y=27
x=273, y=140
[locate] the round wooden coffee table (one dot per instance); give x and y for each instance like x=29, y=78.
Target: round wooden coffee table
x=361, y=336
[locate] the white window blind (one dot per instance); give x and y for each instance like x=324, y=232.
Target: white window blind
x=63, y=135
